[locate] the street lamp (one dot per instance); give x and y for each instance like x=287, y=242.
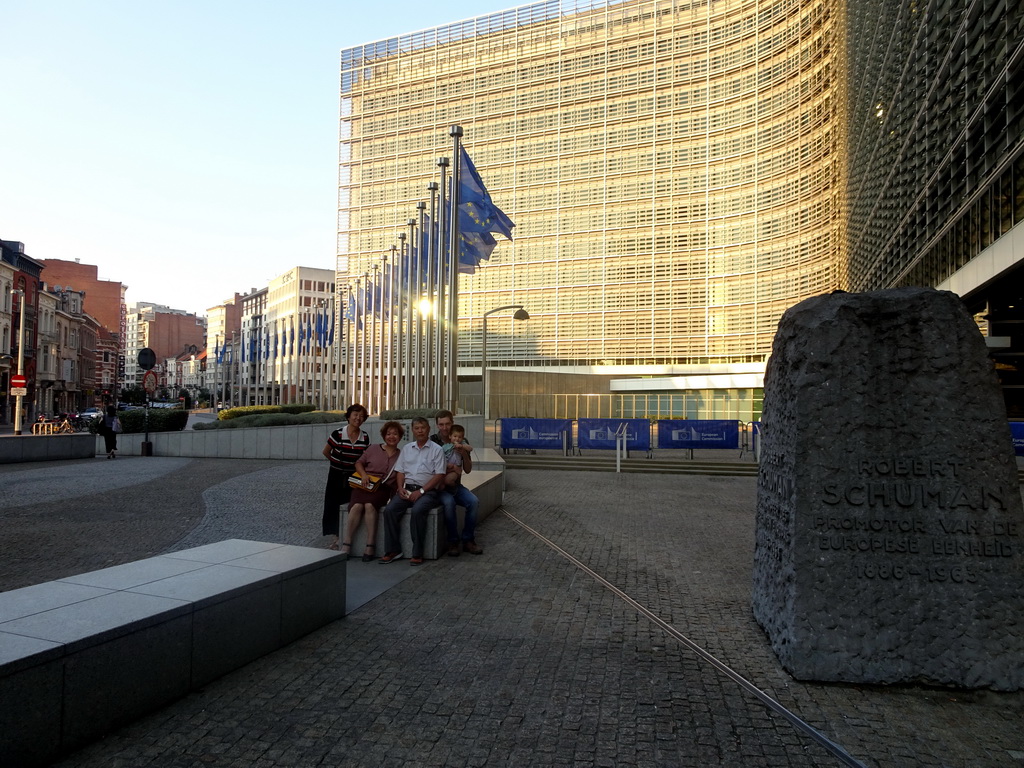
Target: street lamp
x=21, y=360
x=520, y=314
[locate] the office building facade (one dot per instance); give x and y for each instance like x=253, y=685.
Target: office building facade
x=682, y=172
x=671, y=169
x=935, y=160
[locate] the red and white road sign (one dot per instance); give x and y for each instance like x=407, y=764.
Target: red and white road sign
x=19, y=380
x=149, y=382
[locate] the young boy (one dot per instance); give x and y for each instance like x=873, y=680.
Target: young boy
x=453, y=456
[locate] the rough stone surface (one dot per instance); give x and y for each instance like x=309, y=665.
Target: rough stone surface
x=889, y=522
x=514, y=658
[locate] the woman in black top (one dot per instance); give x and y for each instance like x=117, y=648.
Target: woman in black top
x=344, y=448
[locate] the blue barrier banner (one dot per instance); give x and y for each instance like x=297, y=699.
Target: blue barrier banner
x=1017, y=431
x=692, y=433
x=534, y=433
x=600, y=433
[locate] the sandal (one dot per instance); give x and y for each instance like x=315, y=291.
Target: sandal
x=370, y=554
x=349, y=545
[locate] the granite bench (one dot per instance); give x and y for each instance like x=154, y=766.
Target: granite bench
x=487, y=485
x=82, y=655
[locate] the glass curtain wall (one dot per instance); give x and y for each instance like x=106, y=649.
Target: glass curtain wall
x=670, y=166
x=936, y=139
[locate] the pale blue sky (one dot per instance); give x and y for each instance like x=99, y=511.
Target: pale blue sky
x=188, y=149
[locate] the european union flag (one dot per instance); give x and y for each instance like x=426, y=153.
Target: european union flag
x=478, y=217
x=351, y=311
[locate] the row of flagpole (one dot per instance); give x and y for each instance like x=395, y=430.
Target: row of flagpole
x=289, y=360
x=400, y=322
x=397, y=322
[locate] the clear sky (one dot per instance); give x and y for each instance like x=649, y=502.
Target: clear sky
x=188, y=148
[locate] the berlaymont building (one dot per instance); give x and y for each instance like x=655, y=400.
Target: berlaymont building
x=680, y=173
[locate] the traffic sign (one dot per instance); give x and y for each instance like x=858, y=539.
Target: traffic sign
x=19, y=391
x=18, y=380
x=147, y=358
x=149, y=382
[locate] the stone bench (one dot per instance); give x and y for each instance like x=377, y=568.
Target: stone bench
x=488, y=485
x=25, y=448
x=83, y=655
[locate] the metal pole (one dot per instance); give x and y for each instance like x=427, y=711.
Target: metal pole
x=21, y=362
x=432, y=274
x=520, y=314
x=389, y=392
x=422, y=268
x=400, y=335
x=374, y=372
x=453, y=264
x=231, y=372
x=382, y=366
x=216, y=370
x=442, y=303
x=485, y=391
x=410, y=315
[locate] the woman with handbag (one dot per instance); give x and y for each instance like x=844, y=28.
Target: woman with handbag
x=376, y=485
x=344, y=448
x=110, y=427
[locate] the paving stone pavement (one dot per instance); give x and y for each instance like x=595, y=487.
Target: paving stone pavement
x=514, y=658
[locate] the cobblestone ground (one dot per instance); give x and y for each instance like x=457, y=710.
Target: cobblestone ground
x=515, y=658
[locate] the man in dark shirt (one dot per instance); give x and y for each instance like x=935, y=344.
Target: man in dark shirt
x=459, y=494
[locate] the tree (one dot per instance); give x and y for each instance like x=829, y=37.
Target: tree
x=133, y=395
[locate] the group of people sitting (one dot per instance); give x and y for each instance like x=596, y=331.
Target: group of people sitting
x=426, y=473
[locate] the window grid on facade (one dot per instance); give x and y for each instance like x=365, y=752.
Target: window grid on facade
x=671, y=169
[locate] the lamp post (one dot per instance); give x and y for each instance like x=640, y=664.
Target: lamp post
x=520, y=314
x=21, y=360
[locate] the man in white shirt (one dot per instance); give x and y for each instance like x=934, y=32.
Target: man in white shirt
x=420, y=474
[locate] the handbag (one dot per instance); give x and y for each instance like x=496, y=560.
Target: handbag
x=356, y=481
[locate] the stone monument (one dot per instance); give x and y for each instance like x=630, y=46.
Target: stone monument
x=890, y=534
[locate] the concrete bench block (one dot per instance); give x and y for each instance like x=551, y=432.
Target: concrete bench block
x=28, y=447
x=88, y=653
x=113, y=682
x=31, y=700
x=236, y=619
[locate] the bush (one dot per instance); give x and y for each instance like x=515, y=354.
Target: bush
x=251, y=410
x=273, y=419
x=160, y=420
x=402, y=414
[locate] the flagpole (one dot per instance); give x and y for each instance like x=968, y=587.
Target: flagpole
x=421, y=269
x=349, y=338
x=371, y=399
x=319, y=374
x=344, y=398
x=432, y=272
x=442, y=302
x=378, y=301
x=453, y=262
x=389, y=273
x=400, y=330
x=231, y=371
x=411, y=315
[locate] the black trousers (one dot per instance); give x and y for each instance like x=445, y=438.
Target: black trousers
x=335, y=494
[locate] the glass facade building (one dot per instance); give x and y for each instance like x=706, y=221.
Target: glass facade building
x=935, y=172
x=681, y=172
x=670, y=167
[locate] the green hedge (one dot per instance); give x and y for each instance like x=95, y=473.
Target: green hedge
x=400, y=414
x=273, y=419
x=160, y=420
x=254, y=410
